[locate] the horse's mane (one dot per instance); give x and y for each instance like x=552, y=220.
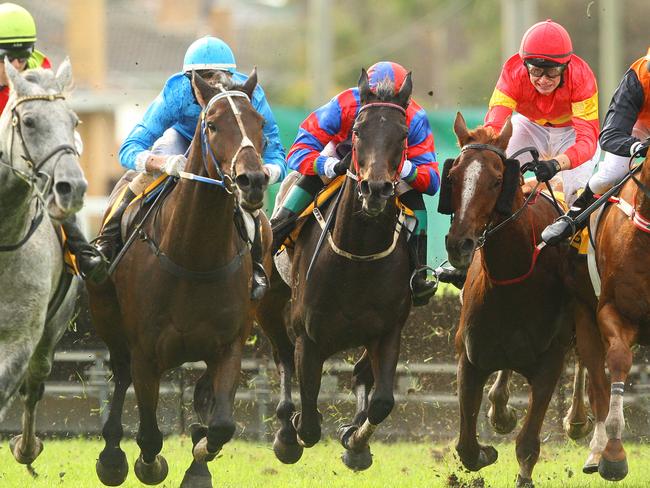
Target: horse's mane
x=215, y=77
x=42, y=81
x=483, y=135
x=385, y=89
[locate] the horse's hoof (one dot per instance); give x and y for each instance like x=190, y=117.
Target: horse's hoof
x=487, y=455
x=345, y=432
x=197, y=476
x=112, y=468
x=357, y=460
x=612, y=470
x=151, y=474
x=286, y=452
x=16, y=446
x=507, y=425
x=591, y=464
x=201, y=453
x=578, y=430
x=524, y=482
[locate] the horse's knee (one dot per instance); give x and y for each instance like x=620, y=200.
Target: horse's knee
x=380, y=408
x=220, y=432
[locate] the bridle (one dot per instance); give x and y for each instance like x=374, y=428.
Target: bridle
x=34, y=174
x=355, y=159
x=226, y=180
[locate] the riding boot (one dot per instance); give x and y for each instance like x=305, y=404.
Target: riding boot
x=109, y=240
x=260, y=280
x=301, y=194
x=421, y=288
x=565, y=226
x=449, y=274
x=91, y=263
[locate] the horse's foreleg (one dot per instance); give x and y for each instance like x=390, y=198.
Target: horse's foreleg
x=309, y=366
x=619, y=335
x=470, y=393
x=362, y=383
x=221, y=426
x=576, y=422
x=285, y=445
x=503, y=417
x=542, y=387
x=592, y=356
x=150, y=467
x=112, y=466
x=383, y=355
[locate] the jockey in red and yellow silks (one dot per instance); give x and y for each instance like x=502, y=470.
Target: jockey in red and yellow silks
x=17, y=39
x=319, y=150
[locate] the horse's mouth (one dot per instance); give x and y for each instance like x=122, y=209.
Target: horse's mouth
x=251, y=207
x=55, y=211
x=372, y=208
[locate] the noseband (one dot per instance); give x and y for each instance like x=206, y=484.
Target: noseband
x=227, y=180
x=355, y=159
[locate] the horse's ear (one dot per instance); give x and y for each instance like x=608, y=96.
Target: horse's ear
x=364, y=87
x=251, y=83
x=17, y=84
x=460, y=129
x=504, y=135
x=202, y=90
x=404, y=95
x=64, y=75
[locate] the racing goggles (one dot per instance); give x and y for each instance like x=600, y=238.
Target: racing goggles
x=22, y=56
x=548, y=71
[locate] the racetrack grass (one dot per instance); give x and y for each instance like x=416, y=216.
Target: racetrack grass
x=71, y=463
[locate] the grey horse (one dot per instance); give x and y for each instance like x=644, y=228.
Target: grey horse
x=41, y=183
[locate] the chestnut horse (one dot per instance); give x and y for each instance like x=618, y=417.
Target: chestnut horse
x=621, y=242
x=182, y=291
x=515, y=313
x=358, y=294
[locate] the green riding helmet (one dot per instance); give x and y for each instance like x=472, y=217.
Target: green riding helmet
x=17, y=28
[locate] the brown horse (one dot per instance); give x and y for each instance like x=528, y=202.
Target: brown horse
x=515, y=314
x=358, y=294
x=182, y=291
x=622, y=248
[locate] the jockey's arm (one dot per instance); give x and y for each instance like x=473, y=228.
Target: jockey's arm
x=423, y=175
x=274, y=156
x=616, y=136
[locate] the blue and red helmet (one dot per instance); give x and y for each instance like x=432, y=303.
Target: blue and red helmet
x=209, y=53
x=378, y=72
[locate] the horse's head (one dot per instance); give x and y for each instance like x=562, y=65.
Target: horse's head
x=233, y=131
x=379, y=140
x=37, y=137
x=476, y=187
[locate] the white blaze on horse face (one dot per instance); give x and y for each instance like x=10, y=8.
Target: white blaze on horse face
x=470, y=185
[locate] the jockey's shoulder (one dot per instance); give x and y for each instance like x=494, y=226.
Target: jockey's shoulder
x=38, y=60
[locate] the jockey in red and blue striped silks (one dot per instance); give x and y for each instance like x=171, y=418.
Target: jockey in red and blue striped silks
x=329, y=129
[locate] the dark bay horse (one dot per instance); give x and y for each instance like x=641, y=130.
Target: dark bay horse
x=41, y=182
x=358, y=293
x=622, y=247
x=515, y=313
x=182, y=291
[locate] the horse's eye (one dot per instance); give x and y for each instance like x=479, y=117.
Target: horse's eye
x=211, y=126
x=497, y=183
x=29, y=122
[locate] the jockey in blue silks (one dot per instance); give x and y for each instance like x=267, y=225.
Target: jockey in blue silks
x=158, y=143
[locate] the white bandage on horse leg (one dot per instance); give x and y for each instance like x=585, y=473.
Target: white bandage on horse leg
x=615, y=422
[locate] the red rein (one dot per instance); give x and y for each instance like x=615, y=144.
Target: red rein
x=355, y=160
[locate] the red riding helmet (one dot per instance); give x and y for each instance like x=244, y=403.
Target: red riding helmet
x=386, y=69
x=546, y=40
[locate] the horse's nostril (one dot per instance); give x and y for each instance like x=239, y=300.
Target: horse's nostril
x=467, y=245
x=242, y=181
x=63, y=188
x=387, y=190
x=364, y=187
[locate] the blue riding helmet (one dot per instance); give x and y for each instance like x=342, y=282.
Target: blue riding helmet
x=209, y=53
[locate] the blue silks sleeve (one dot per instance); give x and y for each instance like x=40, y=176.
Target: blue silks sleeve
x=273, y=152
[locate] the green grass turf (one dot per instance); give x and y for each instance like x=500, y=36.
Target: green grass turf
x=71, y=463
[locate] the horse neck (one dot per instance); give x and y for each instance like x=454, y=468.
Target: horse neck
x=357, y=233
x=642, y=200
x=198, y=221
x=508, y=252
x=16, y=206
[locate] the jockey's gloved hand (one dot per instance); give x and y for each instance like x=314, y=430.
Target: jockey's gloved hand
x=640, y=148
x=174, y=164
x=546, y=169
x=336, y=167
x=408, y=168
x=343, y=165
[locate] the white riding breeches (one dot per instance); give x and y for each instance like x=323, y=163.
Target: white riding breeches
x=551, y=142
x=614, y=168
